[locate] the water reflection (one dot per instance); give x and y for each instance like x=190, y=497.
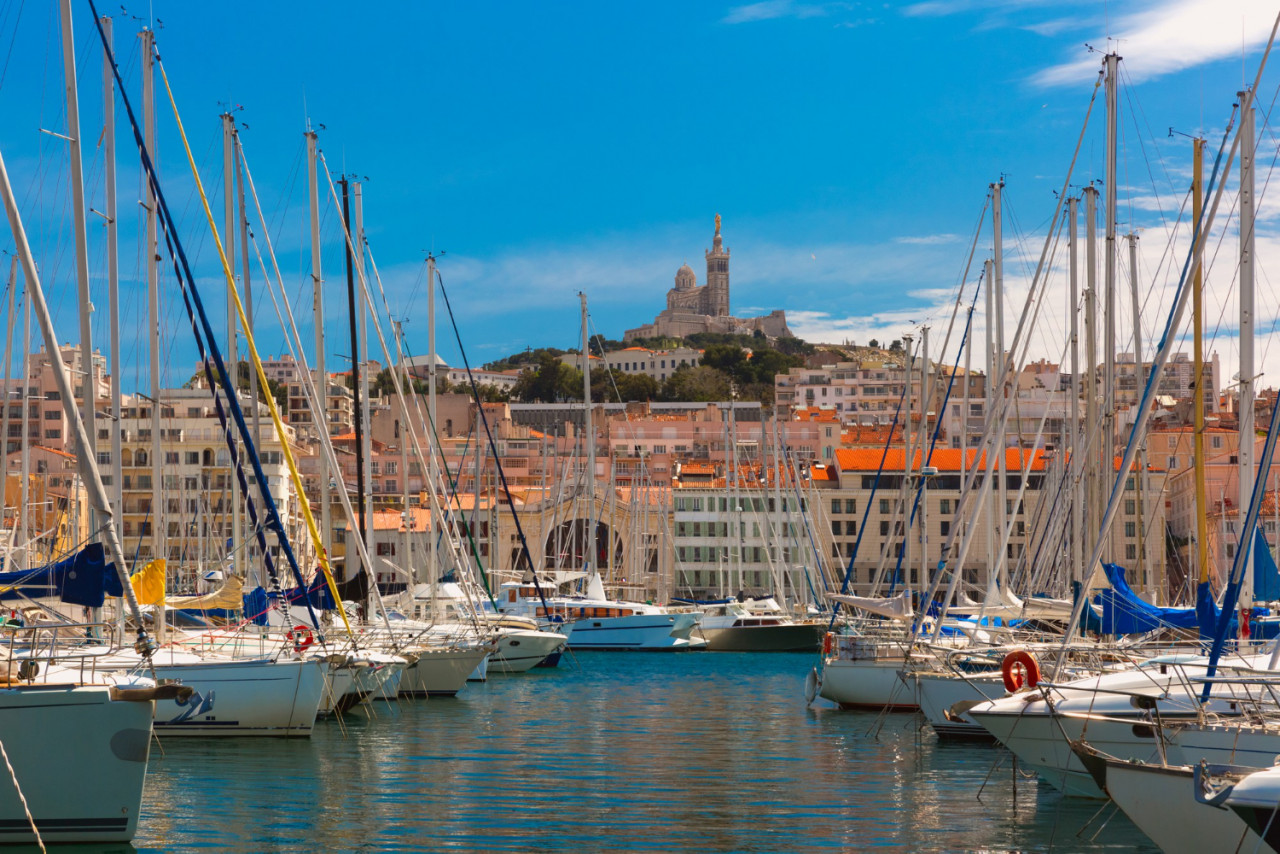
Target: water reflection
x=711, y=751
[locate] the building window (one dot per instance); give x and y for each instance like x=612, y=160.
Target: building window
x=884, y=505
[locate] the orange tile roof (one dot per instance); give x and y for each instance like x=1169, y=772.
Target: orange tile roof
x=825, y=416
x=345, y=437
x=943, y=459
x=697, y=468
x=822, y=473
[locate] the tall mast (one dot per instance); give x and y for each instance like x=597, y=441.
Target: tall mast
x=113, y=263
x=362, y=330
x=588, y=438
x=248, y=287
x=992, y=523
x=1197, y=292
x=87, y=465
x=1002, y=479
x=24, y=495
x=1141, y=474
x=1093, y=492
x=354, y=577
x=153, y=291
x=1247, y=366
x=924, y=462
x=402, y=375
x=233, y=358
x=904, y=496
x=90, y=386
x=433, y=439
x=1073, y=425
x=1109, y=283
x=321, y=379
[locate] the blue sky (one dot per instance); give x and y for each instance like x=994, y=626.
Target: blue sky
x=552, y=148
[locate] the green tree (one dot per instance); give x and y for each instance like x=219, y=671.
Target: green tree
x=700, y=384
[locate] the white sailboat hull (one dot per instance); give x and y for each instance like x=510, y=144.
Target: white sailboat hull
x=866, y=684
x=668, y=632
x=520, y=651
x=1161, y=801
x=80, y=758
x=252, y=697
x=440, y=672
x=942, y=698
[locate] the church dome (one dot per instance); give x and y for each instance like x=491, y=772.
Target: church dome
x=686, y=279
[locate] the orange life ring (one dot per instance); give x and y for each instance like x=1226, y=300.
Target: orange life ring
x=1020, y=668
x=303, y=637
x=828, y=643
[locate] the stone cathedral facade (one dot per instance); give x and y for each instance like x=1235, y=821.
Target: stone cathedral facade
x=705, y=308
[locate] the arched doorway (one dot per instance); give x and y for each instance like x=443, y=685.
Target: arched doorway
x=565, y=547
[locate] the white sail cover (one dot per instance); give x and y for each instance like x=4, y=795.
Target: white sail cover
x=895, y=608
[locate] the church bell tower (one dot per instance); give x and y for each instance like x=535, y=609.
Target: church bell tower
x=718, y=276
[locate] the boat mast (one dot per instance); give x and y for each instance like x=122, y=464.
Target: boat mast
x=362, y=330
x=1094, y=498
x=86, y=464
x=153, y=289
x=248, y=286
x=24, y=495
x=1139, y=573
x=1197, y=291
x=87, y=365
x=353, y=577
x=924, y=478
x=433, y=439
x=904, y=494
x=233, y=358
x=1004, y=366
x=1247, y=365
x=992, y=525
x=113, y=263
x=589, y=479
x=320, y=379
x=1109, y=285
x=1073, y=426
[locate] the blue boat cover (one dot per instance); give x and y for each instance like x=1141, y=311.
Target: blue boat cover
x=85, y=579
x=1266, y=578
x=256, y=606
x=1123, y=613
x=317, y=593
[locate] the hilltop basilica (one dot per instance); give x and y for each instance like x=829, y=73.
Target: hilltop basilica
x=705, y=308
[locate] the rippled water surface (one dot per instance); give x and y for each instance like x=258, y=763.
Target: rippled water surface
x=625, y=751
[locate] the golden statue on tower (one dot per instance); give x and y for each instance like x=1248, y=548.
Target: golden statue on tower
x=717, y=223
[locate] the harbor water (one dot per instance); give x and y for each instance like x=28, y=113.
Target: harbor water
x=621, y=752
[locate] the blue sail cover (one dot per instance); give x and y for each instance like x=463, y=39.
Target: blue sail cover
x=85, y=579
x=1266, y=578
x=1123, y=613
x=317, y=594
x=256, y=606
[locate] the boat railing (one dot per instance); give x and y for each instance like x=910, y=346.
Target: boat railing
x=55, y=642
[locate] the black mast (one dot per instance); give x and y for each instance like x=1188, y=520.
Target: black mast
x=356, y=585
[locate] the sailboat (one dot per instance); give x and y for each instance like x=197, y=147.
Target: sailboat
x=591, y=619
x=81, y=779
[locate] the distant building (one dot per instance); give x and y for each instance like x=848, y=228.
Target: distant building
x=693, y=308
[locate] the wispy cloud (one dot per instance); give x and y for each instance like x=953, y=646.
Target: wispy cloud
x=770, y=9
x=942, y=8
x=929, y=239
x=1172, y=36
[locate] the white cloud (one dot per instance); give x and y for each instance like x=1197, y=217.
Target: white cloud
x=929, y=239
x=770, y=9
x=1171, y=36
